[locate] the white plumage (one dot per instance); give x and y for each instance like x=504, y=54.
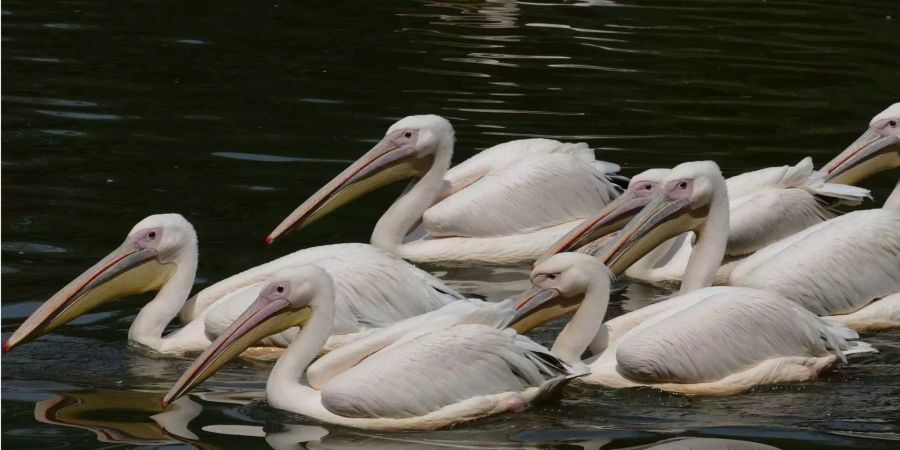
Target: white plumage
x=836, y=267
x=440, y=369
x=715, y=340
x=729, y=331
x=374, y=289
x=504, y=205
x=450, y=365
x=765, y=205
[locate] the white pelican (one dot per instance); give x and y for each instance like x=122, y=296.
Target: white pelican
x=374, y=289
x=847, y=268
x=505, y=205
x=876, y=150
x=765, y=206
x=711, y=341
x=452, y=365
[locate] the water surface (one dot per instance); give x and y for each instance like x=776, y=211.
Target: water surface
x=231, y=113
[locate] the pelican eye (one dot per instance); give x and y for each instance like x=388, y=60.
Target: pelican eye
x=648, y=187
x=551, y=276
x=151, y=235
x=893, y=124
x=683, y=185
x=407, y=135
x=280, y=289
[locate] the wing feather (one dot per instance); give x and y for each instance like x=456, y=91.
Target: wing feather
x=731, y=331
x=437, y=370
x=773, y=203
x=494, y=315
x=836, y=267
x=373, y=289
x=527, y=195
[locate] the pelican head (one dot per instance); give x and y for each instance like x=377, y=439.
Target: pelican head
x=876, y=150
x=144, y=262
x=558, y=286
x=683, y=202
x=593, y=231
x=408, y=150
x=288, y=300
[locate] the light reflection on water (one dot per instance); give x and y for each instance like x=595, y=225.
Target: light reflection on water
x=231, y=114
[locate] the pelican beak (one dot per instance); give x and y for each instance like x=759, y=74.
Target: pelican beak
x=537, y=306
x=128, y=270
x=663, y=218
x=871, y=153
x=392, y=159
x=265, y=317
x=609, y=220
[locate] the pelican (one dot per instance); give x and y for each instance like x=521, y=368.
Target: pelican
x=846, y=268
x=455, y=364
x=505, y=205
x=708, y=341
x=374, y=289
x=765, y=205
x=876, y=150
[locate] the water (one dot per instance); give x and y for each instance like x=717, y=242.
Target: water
x=231, y=113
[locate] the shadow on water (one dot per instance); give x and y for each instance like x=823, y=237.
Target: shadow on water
x=231, y=113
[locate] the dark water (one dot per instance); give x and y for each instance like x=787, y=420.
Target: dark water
x=231, y=113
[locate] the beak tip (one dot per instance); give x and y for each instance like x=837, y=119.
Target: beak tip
x=6, y=346
x=269, y=239
x=164, y=403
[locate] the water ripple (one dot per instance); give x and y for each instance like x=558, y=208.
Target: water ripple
x=274, y=158
x=80, y=115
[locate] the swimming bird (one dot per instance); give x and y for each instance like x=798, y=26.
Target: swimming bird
x=374, y=289
x=455, y=364
x=876, y=150
x=709, y=340
x=505, y=205
x=846, y=268
x=765, y=206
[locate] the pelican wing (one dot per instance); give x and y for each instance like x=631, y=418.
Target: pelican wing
x=441, y=369
x=494, y=315
x=836, y=267
x=772, y=203
x=730, y=331
x=503, y=155
x=521, y=186
x=621, y=325
x=373, y=287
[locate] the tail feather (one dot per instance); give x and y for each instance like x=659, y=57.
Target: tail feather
x=843, y=340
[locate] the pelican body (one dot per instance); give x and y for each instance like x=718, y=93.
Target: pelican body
x=374, y=289
x=398, y=377
x=505, y=205
x=765, y=206
x=707, y=340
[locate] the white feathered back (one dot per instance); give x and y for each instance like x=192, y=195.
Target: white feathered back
x=835, y=267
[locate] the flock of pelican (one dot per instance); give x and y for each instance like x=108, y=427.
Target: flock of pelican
x=774, y=281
